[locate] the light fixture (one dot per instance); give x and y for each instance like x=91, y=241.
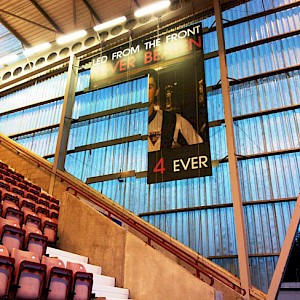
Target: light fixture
x=36, y=49
x=71, y=37
x=8, y=59
x=149, y=9
x=110, y=23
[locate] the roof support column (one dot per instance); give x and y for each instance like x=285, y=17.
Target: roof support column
x=65, y=120
x=242, y=247
x=284, y=253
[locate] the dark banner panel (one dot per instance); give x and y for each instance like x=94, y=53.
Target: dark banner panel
x=113, y=66
x=178, y=142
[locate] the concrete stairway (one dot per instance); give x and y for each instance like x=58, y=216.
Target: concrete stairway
x=103, y=286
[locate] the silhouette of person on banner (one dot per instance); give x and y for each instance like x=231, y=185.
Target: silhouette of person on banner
x=166, y=129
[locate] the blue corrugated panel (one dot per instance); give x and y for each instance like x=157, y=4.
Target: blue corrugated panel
x=272, y=177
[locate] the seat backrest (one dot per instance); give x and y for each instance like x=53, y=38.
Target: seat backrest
x=7, y=222
x=21, y=255
x=82, y=281
x=59, y=279
x=29, y=274
x=75, y=267
x=6, y=271
x=51, y=262
x=35, y=241
x=3, y=251
x=11, y=235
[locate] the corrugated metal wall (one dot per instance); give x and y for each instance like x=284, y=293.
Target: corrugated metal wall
x=199, y=210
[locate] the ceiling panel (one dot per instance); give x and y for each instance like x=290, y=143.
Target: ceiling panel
x=28, y=25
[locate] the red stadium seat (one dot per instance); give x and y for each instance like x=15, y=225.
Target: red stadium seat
x=24, y=202
x=82, y=281
x=22, y=186
x=29, y=275
x=18, y=191
x=31, y=218
x=10, y=180
x=4, y=186
x=35, y=241
x=32, y=197
x=11, y=235
x=6, y=271
x=9, y=196
x=58, y=279
x=49, y=228
x=42, y=210
x=12, y=212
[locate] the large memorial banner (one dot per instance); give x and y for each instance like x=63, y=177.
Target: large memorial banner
x=178, y=141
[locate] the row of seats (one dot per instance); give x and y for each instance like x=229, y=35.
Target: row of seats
x=28, y=224
x=23, y=185
x=28, y=216
x=24, y=276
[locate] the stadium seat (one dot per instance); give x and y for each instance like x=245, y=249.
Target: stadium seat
x=28, y=203
x=31, y=218
x=22, y=186
x=10, y=180
x=18, y=191
x=9, y=196
x=6, y=271
x=49, y=228
x=82, y=281
x=42, y=210
x=11, y=235
x=4, y=186
x=32, y=197
x=12, y=212
x=29, y=275
x=35, y=241
x=58, y=279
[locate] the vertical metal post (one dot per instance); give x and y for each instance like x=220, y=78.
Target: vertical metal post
x=65, y=120
x=285, y=252
x=242, y=248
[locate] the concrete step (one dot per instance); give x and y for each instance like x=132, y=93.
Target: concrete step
x=99, y=280
x=72, y=256
x=68, y=256
x=110, y=292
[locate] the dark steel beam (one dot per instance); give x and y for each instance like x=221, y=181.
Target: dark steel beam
x=22, y=40
x=92, y=11
x=26, y=20
x=47, y=17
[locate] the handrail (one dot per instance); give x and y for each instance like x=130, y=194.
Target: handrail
x=130, y=219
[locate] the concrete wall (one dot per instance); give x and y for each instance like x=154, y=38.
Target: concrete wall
x=146, y=272
x=112, y=260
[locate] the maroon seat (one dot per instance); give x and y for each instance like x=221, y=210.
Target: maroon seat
x=31, y=218
x=49, y=228
x=11, y=235
x=12, y=212
x=35, y=241
x=18, y=191
x=29, y=275
x=31, y=196
x=4, y=186
x=22, y=186
x=10, y=180
x=58, y=279
x=24, y=202
x=82, y=281
x=9, y=196
x=6, y=271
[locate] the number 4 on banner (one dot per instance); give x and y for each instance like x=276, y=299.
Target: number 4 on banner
x=160, y=166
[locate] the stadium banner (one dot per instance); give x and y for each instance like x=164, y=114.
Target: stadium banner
x=178, y=140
